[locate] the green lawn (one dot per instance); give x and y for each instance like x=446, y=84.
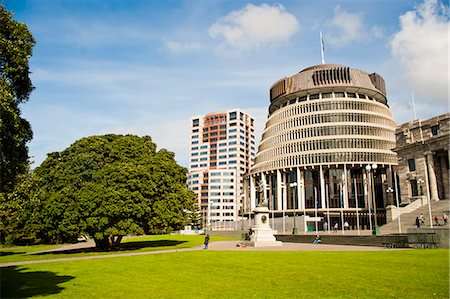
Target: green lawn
x=238, y=274
x=133, y=244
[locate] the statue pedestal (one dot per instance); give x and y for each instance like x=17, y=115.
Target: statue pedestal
x=262, y=232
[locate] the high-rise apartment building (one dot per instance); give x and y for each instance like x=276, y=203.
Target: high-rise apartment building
x=222, y=150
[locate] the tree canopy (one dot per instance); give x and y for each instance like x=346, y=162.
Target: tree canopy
x=16, y=44
x=107, y=187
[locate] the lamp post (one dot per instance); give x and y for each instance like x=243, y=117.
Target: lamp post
x=293, y=186
x=371, y=169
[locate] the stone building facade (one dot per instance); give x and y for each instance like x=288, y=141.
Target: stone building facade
x=326, y=150
x=423, y=159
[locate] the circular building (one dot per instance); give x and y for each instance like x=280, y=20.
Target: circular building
x=326, y=150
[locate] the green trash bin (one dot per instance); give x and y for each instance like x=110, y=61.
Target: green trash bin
x=310, y=228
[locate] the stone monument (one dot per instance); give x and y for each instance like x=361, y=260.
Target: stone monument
x=262, y=232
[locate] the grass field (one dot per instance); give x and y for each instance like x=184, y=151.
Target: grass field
x=132, y=244
x=234, y=274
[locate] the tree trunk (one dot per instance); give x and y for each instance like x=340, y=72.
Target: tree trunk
x=108, y=242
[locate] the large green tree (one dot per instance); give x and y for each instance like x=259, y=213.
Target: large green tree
x=108, y=187
x=16, y=44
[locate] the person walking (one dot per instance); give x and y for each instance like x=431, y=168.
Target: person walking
x=206, y=242
x=445, y=217
x=417, y=222
x=422, y=219
x=436, y=220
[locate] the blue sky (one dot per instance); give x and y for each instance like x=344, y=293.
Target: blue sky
x=145, y=67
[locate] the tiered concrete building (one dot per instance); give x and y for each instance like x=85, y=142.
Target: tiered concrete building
x=222, y=150
x=326, y=149
x=423, y=159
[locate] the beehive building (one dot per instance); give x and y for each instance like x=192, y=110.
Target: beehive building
x=327, y=147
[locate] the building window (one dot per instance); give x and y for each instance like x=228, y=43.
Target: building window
x=326, y=95
x=195, y=122
x=314, y=96
x=412, y=164
x=232, y=115
x=414, y=189
x=435, y=131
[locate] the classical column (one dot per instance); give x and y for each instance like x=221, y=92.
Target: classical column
x=445, y=178
x=432, y=177
x=279, y=191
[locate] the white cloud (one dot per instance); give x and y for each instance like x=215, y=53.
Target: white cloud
x=176, y=47
x=420, y=50
x=377, y=31
x=347, y=26
x=255, y=26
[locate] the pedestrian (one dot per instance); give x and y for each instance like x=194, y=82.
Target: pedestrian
x=336, y=226
x=436, y=220
x=417, y=222
x=325, y=226
x=422, y=219
x=445, y=217
x=206, y=242
x=317, y=240
x=346, y=226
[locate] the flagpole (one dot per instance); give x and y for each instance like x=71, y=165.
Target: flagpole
x=322, y=48
x=414, y=105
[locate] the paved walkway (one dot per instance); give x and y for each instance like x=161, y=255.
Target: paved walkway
x=219, y=245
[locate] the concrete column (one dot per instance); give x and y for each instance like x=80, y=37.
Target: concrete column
x=322, y=188
x=279, y=191
x=432, y=177
x=283, y=178
x=344, y=188
x=300, y=189
x=445, y=178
